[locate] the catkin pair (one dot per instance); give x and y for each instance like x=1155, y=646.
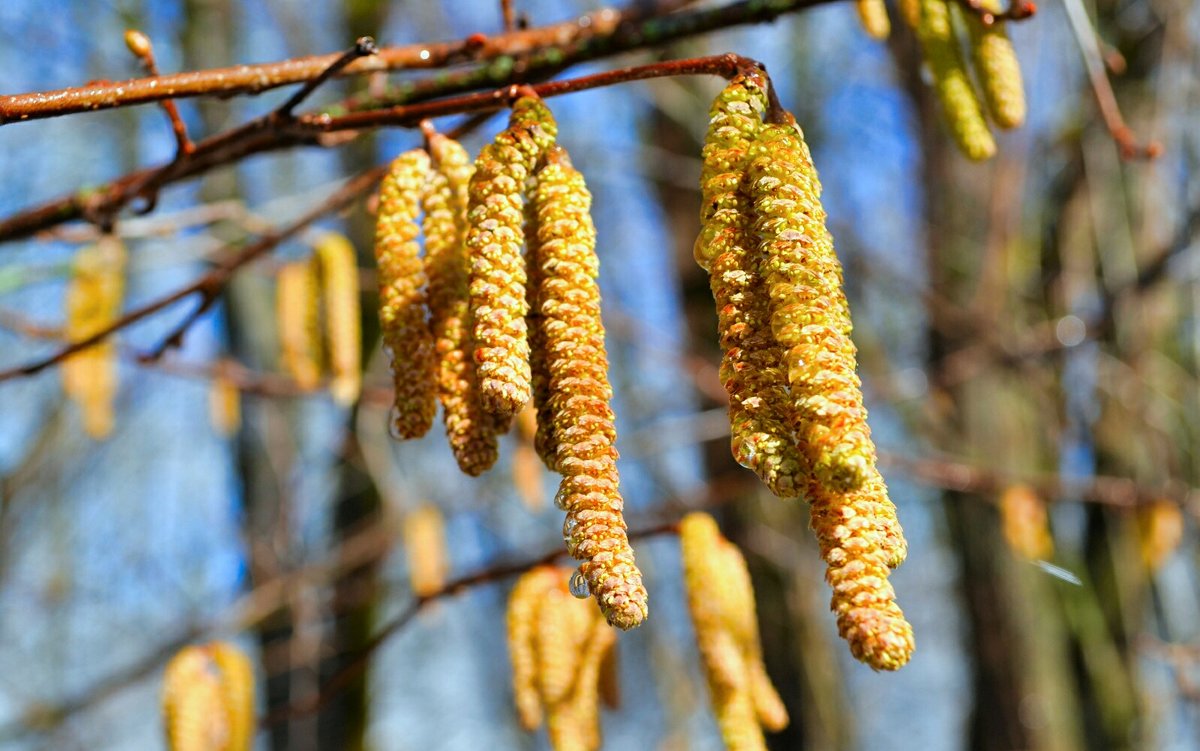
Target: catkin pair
x=721, y=603
x=558, y=646
x=208, y=699
x=577, y=427
x=93, y=303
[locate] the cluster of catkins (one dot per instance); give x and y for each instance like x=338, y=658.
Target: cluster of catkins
x=93, y=303
x=563, y=658
x=942, y=27
x=208, y=699
x=795, y=402
x=323, y=289
x=502, y=308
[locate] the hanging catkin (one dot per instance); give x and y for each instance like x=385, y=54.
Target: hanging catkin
x=960, y=105
x=544, y=441
x=494, y=239
x=424, y=532
x=93, y=303
x=224, y=403
x=997, y=67
x=721, y=604
x=402, y=310
x=237, y=694
x=860, y=542
x=194, y=716
x=809, y=314
x=522, y=617
x=751, y=366
x=343, y=323
x=579, y=394
x=872, y=14
x=469, y=429
x=297, y=315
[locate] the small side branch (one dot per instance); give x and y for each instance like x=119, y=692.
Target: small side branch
x=363, y=47
x=139, y=44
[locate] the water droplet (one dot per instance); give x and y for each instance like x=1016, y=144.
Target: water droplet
x=578, y=585
x=560, y=498
x=743, y=452
x=393, y=431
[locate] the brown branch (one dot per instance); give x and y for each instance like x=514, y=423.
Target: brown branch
x=210, y=285
x=363, y=47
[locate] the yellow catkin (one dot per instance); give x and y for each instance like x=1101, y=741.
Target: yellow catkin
x=910, y=11
x=237, y=694
x=522, y=618
x=960, y=105
x=469, y=429
x=194, y=718
x=997, y=68
x=545, y=443
x=579, y=394
x=403, y=313
x=1024, y=523
x=809, y=314
x=494, y=239
x=762, y=439
x=559, y=639
x=721, y=604
x=860, y=542
x=224, y=404
x=93, y=302
x=573, y=723
x=1160, y=530
x=874, y=18
x=343, y=311
x=297, y=314
x=425, y=548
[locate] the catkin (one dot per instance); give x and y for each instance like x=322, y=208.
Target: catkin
x=297, y=314
x=522, y=617
x=910, y=11
x=809, y=314
x=93, y=303
x=874, y=18
x=960, y=105
x=343, y=323
x=1024, y=523
x=1160, y=530
x=577, y=366
x=469, y=429
x=224, y=403
x=751, y=373
x=574, y=724
x=194, y=717
x=494, y=239
x=860, y=542
x=403, y=322
x=425, y=548
x=997, y=67
x=237, y=694
x=721, y=604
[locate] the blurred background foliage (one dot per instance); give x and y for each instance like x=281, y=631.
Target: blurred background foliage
x=1033, y=319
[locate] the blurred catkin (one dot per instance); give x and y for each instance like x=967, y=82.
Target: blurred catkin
x=403, y=313
x=1160, y=530
x=343, y=325
x=93, y=302
x=194, y=716
x=236, y=676
x=579, y=394
x=960, y=105
x=808, y=310
x=1025, y=524
x=469, y=429
x=425, y=549
x=297, y=314
x=224, y=403
x=872, y=14
x=997, y=68
x=751, y=372
x=494, y=239
x=522, y=617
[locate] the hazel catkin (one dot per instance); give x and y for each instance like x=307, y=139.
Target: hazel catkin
x=872, y=14
x=236, y=679
x=997, y=68
x=494, y=239
x=751, y=370
x=960, y=104
x=403, y=313
x=469, y=429
x=208, y=699
x=579, y=394
x=338, y=270
x=93, y=302
x=297, y=316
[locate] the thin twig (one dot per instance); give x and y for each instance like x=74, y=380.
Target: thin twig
x=362, y=47
x=139, y=44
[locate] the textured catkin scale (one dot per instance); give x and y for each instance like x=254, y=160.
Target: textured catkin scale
x=494, y=239
x=960, y=105
x=762, y=440
x=193, y=716
x=403, y=322
x=721, y=603
x=860, y=542
x=808, y=310
x=343, y=325
x=997, y=67
x=579, y=394
x=523, y=604
x=93, y=302
x=237, y=694
x=425, y=548
x=1024, y=522
x=544, y=442
x=469, y=429
x=297, y=316
x=874, y=18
